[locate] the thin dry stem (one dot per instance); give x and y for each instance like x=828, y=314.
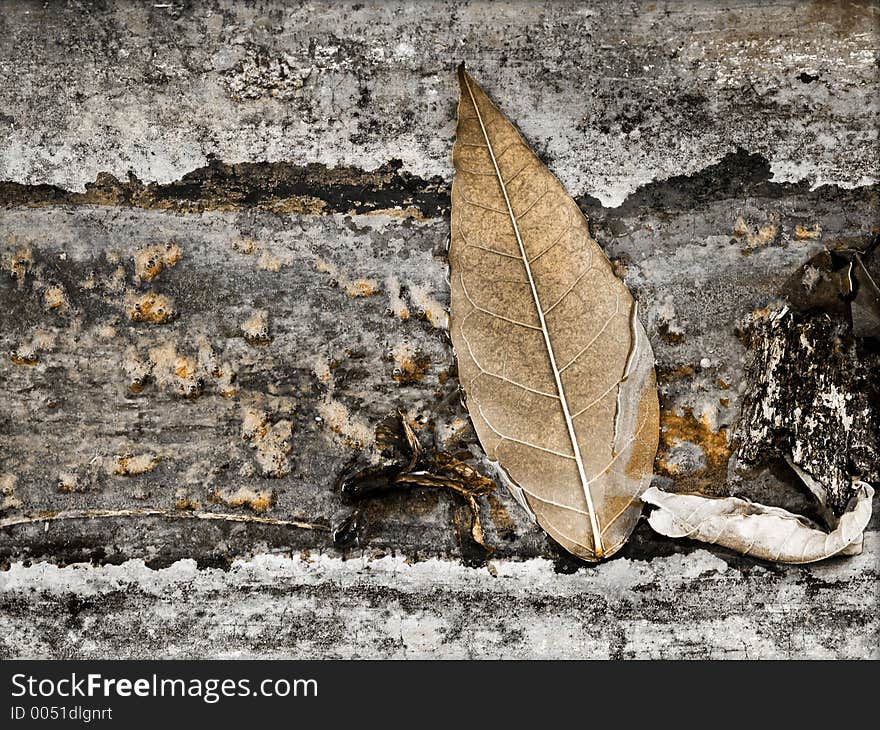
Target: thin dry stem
x=155, y=512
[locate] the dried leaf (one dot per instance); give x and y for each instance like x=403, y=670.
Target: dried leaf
x=757, y=530
x=556, y=367
x=410, y=466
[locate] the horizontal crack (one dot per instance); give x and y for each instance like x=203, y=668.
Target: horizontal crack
x=282, y=186
x=319, y=190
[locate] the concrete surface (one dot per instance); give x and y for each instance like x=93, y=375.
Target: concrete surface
x=223, y=231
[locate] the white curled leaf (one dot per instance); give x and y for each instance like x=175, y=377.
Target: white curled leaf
x=753, y=529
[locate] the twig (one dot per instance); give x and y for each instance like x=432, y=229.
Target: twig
x=81, y=514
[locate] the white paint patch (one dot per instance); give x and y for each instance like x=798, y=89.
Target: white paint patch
x=531, y=576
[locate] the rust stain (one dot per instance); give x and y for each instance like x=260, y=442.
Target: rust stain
x=667, y=374
x=685, y=427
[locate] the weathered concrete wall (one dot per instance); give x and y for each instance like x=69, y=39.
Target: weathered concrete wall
x=223, y=233
x=683, y=606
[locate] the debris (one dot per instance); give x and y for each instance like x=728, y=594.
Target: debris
x=405, y=465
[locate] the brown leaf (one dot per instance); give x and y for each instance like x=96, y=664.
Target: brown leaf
x=556, y=367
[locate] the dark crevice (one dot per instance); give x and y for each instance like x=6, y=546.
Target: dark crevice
x=313, y=188
x=317, y=189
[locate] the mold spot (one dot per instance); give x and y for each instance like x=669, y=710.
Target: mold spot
x=184, y=375
x=407, y=212
x=409, y=367
x=18, y=263
x=54, y=297
x=270, y=441
x=130, y=465
x=151, y=307
x=115, y=282
x=802, y=233
x=258, y=501
x=761, y=235
x=149, y=262
x=261, y=74
x=179, y=372
x=354, y=430
x=361, y=287
x=396, y=305
x=136, y=370
x=427, y=307
x=255, y=329
x=184, y=502
x=447, y=433
x=268, y=260
x=321, y=367
x=24, y=356
x=8, y=498
x=68, y=482
x=668, y=326
x=106, y=331
x=245, y=246
x=28, y=351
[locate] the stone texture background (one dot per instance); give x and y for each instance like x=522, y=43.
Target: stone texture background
x=223, y=230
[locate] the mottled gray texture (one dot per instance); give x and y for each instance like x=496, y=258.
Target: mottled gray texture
x=616, y=93
x=612, y=96
x=691, y=606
